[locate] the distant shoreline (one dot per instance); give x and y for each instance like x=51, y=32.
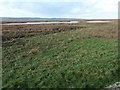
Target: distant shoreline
x=54, y=20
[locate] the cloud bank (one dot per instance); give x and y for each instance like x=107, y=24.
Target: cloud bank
x=59, y=8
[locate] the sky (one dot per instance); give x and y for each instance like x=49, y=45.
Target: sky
x=59, y=8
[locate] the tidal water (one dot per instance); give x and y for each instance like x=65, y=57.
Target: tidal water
x=41, y=23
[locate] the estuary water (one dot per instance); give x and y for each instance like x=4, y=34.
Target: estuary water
x=19, y=23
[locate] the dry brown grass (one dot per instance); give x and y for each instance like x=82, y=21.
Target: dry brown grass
x=14, y=31
x=109, y=30
x=100, y=30
x=33, y=50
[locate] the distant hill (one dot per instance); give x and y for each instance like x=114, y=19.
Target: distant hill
x=18, y=18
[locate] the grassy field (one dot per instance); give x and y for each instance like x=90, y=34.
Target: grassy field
x=78, y=58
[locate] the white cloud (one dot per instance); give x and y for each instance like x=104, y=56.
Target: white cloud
x=75, y=10
x=95, y=9
x=105, y=5
x=8, y=9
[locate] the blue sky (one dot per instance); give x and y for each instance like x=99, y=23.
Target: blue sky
x=59, y=8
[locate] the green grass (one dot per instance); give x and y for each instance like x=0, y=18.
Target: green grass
x=68, y=59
